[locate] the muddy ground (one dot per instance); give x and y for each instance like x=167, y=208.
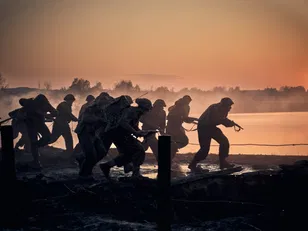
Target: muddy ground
x=54, y=199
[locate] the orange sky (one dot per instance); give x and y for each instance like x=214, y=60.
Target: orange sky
x=196, y=43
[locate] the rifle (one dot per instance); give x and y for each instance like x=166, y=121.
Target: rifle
x=4, y=121
x=151, y=132
x=237, y=127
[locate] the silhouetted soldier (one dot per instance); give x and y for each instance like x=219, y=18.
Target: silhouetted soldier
x=152, y=120
x=92, y=119
x=130, y=149
x=178, y=114
x=19, y=126
x=213, y=116
x=61, y=124
x=89, y=101
x=33, y=113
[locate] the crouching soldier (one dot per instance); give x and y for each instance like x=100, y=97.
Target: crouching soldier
x=61, y=124
x=91, y=120
x=178, y=114
x=152, y=120
x=130, y=149
x=214, y=115
x=19, y=126
x=33, y=113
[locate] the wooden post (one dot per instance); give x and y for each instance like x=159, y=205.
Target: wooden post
x=163, y=178
x=7, y=167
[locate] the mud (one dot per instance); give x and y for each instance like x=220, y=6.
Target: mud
x=55, y=199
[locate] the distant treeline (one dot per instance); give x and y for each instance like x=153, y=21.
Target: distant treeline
x=284, y=99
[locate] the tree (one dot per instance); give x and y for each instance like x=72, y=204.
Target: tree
x=124, y=85
x=234, y=89
x=219, y=89
x=80, y=85
x=288, y=89
x=271, y=91
x=47, y=85
x=162, y=90
x=3, y=83
x=97, y=87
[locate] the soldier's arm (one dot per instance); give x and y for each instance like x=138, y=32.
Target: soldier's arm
x=186, y=117
x=74, y=118
x=13, y=114
x=227, y=122
x=221, y=119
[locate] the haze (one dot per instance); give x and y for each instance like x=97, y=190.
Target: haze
x=196, y=43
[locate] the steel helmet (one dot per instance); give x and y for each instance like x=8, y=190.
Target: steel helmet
x=90, y=98
x=226, y=101
x=160, y=103
x=69, y=97
x=144, y=103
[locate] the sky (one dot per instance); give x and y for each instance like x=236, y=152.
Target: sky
x=175, y=43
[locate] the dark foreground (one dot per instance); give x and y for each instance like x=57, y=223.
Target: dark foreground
x=269, y=199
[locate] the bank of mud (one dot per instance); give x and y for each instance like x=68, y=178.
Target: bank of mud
x=54, y=199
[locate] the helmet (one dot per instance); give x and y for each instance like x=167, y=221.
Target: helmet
x=144, y=103
x=22, y=101
x=129, y=99
x=90, y=98
x=160, y=103
x=41, y=98
x=69, y=97
x=103, y=99
x=187, y=98
x=226, y=101
x=103, y=94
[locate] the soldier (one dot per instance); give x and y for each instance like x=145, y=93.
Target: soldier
x=91, y=120
x=19, y=126
x=213, y=116
x=33, y=113
x=61, y=124
x=152, y=120
x=178, y=114
x=130, y=149
x=89, y=101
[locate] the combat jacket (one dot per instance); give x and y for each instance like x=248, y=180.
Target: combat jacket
x=215, y=115
x=65, y=114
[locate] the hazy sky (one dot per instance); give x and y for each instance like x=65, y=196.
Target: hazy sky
x=191, y=43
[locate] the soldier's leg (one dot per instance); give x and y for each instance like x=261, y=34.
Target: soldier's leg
x=126, y=146
x=153, y=143
x=204, y=136
x=68, y=138
x=56, y=133
x=138, y=157
x=32, y=133
x=86, y=145
x=224, y=147
x=102, y=147
x=27, y=142
x=181, y=138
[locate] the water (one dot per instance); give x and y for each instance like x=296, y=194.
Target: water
x=260, y=128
